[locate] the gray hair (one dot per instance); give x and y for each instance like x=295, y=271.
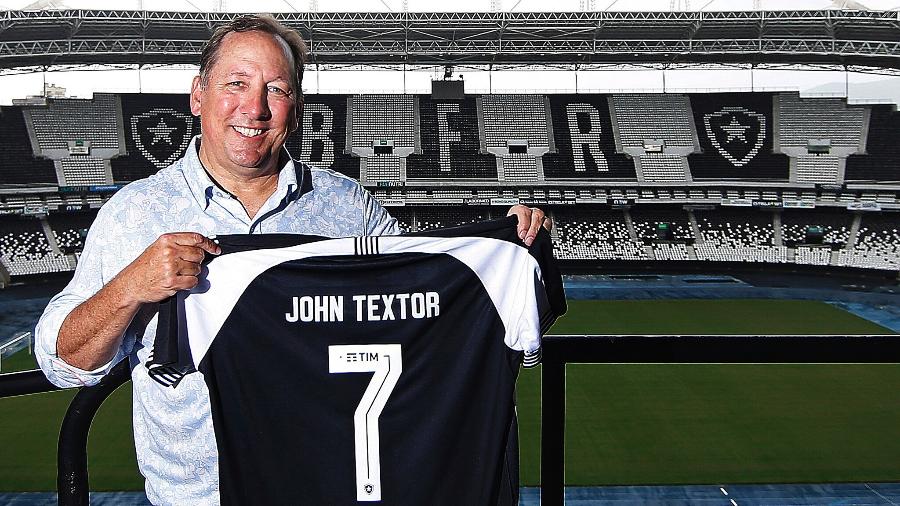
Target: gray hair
x=291, y=41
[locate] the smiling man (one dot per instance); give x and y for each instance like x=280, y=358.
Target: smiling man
x=248, y=103
x=148, y=242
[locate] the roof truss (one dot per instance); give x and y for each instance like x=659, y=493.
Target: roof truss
x=48, y=38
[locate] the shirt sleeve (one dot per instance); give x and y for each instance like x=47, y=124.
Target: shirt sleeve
x=88, y=279
x=378, y=220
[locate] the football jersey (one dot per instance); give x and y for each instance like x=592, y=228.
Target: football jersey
x=365, y=370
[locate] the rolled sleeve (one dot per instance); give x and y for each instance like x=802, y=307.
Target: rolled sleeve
x=56, y=369
x=88, y=279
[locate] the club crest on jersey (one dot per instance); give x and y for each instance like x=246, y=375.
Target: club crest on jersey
x=162, y=135
x=736, y=133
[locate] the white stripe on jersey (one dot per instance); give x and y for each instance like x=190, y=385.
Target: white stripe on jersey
x=506, y=270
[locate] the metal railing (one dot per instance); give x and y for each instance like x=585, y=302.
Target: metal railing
x=71, y=455
x=72, y=478
x=561, y=350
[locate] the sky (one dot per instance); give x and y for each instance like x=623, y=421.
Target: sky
x=83, y=83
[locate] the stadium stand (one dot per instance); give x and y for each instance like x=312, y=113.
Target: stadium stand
x=835, y=225
x=584, y=141
x=814, y=233
x=877, y=244
x=662, y=167
x=666, y=229
x=427, y=218
x=383, y=168
x=735, y=133
x=819, y=134
x=657, y=116
x=380, y=117
x=383, y=130
x=737, y=236
x=158, y=129
x=657, y=129
x=520, y=168
x=811, y=255
x=65, y=119
x=84, y=171
x=450, y=142
x=647, y=219
x=881, y=163
x=321, y=140
x=24, y=248
x=499, y=146
x=516, y=129
x=18, y=165
x=671, y=251
x=508, y=117
x=595, y=234
x=404, y=216
x=800, y=120
x=821, y=169
x=70, y=229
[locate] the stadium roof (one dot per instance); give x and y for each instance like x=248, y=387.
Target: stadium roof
x=458, y=5
x=54, y=37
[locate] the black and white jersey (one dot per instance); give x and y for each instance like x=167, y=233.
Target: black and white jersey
x=368, y=369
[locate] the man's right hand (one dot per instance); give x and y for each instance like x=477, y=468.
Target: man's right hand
x=170, y=264
x=92, y=332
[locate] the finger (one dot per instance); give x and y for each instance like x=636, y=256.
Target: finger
x=191, y=254
x=184, y=282
x=548, y=223
x=523, y=214
x=171, y=272
x=537, y=219
x=196, y=240
x=188, y=269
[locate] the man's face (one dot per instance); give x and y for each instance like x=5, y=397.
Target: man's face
x=247, y=109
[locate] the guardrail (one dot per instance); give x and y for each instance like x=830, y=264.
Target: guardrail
x=561, y=350
x=71, y=456
x=72, y=479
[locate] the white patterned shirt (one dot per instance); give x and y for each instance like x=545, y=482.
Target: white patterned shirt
x=173, y=433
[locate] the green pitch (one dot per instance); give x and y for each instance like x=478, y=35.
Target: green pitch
x=629, y=424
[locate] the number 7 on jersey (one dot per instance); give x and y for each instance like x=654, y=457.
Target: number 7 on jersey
x=386, y=362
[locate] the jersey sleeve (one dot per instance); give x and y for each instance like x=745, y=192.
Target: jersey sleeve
x=543, y=300
x=554, y=305
x=523, y=282
x=171, y=359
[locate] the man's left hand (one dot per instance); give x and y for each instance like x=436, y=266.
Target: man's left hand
x=531, y=219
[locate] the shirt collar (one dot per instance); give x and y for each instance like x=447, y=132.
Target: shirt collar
x=293, y=179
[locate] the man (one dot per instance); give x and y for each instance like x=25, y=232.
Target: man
x=149, y=240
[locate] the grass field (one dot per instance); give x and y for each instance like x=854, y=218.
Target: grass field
x=625, y=423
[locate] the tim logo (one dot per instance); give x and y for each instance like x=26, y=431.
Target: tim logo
x=736, y=133
x=162, y=135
